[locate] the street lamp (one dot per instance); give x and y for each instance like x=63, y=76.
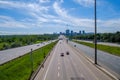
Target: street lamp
x=31, y=60
x=95, y=36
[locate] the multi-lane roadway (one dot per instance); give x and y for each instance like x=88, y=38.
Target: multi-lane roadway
x=74, y=66
x=104, y=43
x=10, y=54
x=106, y=60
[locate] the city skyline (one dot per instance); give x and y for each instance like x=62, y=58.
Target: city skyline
x=69, y=32
x=48, y=16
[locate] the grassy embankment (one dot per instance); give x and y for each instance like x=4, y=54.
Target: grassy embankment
x=20, y=68
x=110, y=49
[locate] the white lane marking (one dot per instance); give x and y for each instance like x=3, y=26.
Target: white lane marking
x=82, y=76
x=58, y=74
x=49, y=64
x=58, y=67
x=83, y=64
x=58, y=63
x=88, y=69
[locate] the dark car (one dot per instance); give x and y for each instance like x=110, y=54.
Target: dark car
x=38, y=45
x=74, y=45
x=67, y=53
x=62, y=54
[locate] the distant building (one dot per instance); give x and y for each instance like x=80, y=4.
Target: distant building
x=67, y=32
x=71, y=32
x=61, y=33
x=79, y=32
x=83, y=32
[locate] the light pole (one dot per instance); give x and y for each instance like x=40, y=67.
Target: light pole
x=31, y=58
x=95, y=36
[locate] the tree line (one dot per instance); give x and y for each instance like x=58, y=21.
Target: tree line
x=103, y=37
x=12, y=41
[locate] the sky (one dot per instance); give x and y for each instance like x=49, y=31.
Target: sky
x=48, y=16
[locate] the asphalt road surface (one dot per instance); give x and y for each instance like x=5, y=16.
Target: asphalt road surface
x=106, y=60
x=104, y=43
x=69, y=67
x=7, y=55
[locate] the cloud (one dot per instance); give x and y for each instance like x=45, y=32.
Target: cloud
x=84, y=22
x=44, y=1
x=85, y=3
x=24, y=6
x=11, y=33
x=41, y=17
x=59, y=10
x=6, y=21
x=45, y=16
x=109, y=23
x=37, y=14
x=73, y=21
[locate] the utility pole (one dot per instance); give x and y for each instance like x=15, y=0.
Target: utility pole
x=95, y=36
x=31, y=59
x=44, y=55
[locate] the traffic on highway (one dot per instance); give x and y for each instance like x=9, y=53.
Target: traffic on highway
x=65, y=63
x=59, y=39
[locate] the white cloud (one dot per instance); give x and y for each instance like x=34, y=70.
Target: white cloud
x=85, y=3
x=63, y=14
x=39, y=16
x=9, y=22
x=13, y=4
x=109, y=23
x=24, y=6
x=33, y=10
x=83, y=22
x=6, y=21
x=44, y=1
x=59, y=10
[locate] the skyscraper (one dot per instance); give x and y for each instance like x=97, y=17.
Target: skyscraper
x=71, y=32
x=83, y=32
x=67, y=32
x=79, y=32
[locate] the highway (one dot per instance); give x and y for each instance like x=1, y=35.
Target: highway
x=69, y=67
x=10, y=54
x=106, y=60
x=104, y=43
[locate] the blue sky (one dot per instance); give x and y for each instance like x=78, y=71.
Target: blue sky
x=48, y=16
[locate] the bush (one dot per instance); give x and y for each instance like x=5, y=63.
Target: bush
x=16, y=44
x=6, y=46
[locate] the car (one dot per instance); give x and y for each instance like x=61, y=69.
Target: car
x=74, y=45
x=62, y=54
x=38, y=45
x=67, y=53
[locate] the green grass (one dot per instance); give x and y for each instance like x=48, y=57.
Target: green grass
x=20, y=68
x=38, y=42
x=110, y=49
x=1, y=46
